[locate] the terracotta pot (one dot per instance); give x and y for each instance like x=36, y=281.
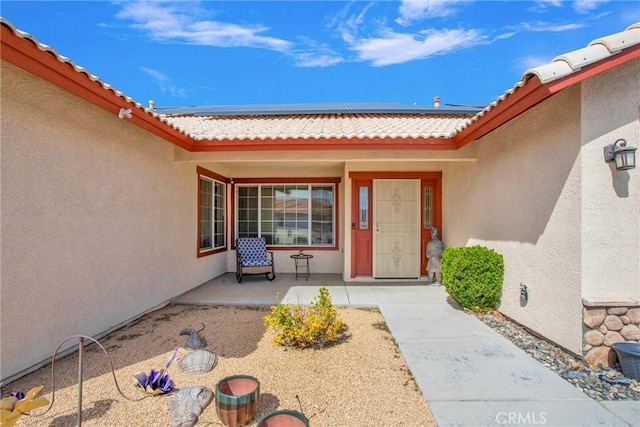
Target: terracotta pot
x=284, y=418
x=237, y=399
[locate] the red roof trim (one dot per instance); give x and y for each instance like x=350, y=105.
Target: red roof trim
x=288, y=180
x=512, y=106
x=301, y=144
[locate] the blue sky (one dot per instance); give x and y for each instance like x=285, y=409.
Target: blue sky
x=263, y=52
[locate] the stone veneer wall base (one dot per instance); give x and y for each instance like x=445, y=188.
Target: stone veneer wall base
x=605, y=324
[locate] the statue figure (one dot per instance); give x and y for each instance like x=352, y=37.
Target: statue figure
x=435, y=247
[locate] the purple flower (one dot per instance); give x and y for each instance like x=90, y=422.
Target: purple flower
x=157, y=382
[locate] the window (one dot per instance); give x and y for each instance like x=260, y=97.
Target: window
x=211, y=212
x=364, y=208
x=428, y=212
x=287, y=215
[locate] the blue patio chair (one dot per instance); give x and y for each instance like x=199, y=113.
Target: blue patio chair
x=253, y=258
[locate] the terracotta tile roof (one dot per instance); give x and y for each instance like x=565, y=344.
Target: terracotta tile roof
x=319, y=126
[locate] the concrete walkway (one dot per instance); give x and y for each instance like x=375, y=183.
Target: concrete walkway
x=468, y=374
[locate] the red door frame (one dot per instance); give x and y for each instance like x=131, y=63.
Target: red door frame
x=361, y=238
x=432, y=179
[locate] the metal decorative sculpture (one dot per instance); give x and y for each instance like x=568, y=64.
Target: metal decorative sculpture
x=435, y=247
x=195, y=341
x=81, y=343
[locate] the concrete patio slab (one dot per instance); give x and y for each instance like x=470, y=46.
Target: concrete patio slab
x=482, y=368
x=419, y=322
x=254, y=290
x=395, y=294
x=627, y=410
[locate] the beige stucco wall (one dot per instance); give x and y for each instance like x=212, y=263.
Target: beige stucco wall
x=610, y=206
x=98, y=221
x=522, y=198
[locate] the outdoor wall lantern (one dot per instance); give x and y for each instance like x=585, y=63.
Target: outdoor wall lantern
x=623, y=156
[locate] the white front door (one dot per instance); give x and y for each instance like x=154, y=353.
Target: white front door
x=396, y=221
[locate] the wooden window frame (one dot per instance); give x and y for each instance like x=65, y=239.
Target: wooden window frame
x=216, y=178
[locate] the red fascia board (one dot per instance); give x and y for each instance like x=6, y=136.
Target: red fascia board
x=427, y=176
x=300, y=144
x=521, y=100
x=24, y=54
x=288, y=180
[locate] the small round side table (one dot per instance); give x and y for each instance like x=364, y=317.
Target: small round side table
x=303, y=266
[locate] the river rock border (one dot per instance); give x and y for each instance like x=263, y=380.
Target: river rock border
x=605, y=324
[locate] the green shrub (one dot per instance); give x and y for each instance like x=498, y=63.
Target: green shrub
x=301, y=326
x=473, y=276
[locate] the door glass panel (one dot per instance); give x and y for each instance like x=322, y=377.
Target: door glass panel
x=428, y=211
x=364, y=208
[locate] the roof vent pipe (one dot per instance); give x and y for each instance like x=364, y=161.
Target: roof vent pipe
x=436, y=102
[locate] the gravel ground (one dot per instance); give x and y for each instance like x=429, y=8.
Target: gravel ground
x=599, y=384
x=361, y=381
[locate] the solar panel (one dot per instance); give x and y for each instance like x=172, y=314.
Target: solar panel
x=318, y=108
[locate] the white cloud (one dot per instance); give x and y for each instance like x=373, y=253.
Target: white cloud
x=315, y=55
x=586, y=6
x=168, y=21
x=164, y=82
x=348, y=26
x=310, y=60
x=396, y=48
x=554, y=3
x=383, y=46
x=544, y=5
x=505, y=35
x=551, y=27
x=416, y=10
x=173, y=22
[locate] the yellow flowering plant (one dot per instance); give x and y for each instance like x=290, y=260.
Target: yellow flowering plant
x=301, y=326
